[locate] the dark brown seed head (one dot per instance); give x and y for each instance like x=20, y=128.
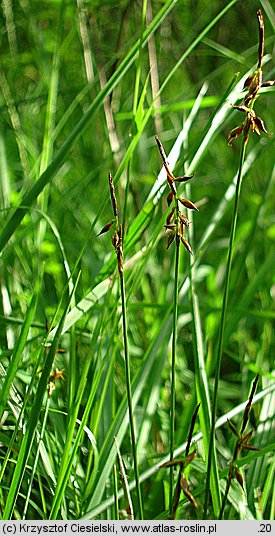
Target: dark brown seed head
x=249, y=81
x=188, y=204
x=113, y=195
x=259, y=125
x=249, y=403
x=184, y=179
x=239, y=478
x=170, y=239
x=187, y=245
x=106, y=228
x=261, y=38
x=184, y=220
x=170, y=217
x=235, y=133
x=233, y=428
x=170, y=198
x=115, y=240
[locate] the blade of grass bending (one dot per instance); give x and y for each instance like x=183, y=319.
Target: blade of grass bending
x=72, y=443
x=29, y=435
x=47, y=175
x=222, y=328
x=69, y=451
x=19, y=347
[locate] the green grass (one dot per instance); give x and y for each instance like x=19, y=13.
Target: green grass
x=202, y=317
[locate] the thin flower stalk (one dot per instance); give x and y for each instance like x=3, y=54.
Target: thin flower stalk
x=176, y=224
x=253, y=123
x=242, y=443
x=182, y=484
x=117, y=244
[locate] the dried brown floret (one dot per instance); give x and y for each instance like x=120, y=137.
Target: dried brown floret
x=170, y=198
x=106, y=228
x=170, y=217
x=187, y=245
x=188, y=204
x=171, y=237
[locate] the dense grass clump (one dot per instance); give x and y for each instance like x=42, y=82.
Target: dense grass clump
x=136, y=373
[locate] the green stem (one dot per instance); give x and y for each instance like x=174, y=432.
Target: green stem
x=222, y=325
x=129, y=393
x=173, y=372
x=228, y=484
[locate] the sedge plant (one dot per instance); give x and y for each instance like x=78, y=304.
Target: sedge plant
x=254, y=123
x=176, y=223
x=117, y=244
x=182, y=484
x=242, y=443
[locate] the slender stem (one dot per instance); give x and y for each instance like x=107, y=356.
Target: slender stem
x=228, y=484
x=173, y=367
x=129, y=393
x=222, y=325
x=116, y=504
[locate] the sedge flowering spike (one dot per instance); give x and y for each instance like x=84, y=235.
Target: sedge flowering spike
x=176, y=222
x=241, y=443
x=253, y=84
x=117, y=236
x=182, y=463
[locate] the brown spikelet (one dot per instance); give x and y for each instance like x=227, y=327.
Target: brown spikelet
x=249, y=81
x=170, y=239
x=170, y=198
x=170, y=217
x=261, y=38
x=188, y=204
x=187, y=245
x=235, y=133
x=170, y=227
x=239, y=478
x=184, y=220
x=233, y=428
x=249, y=403
x=106, y=228
x=184, y=487
x=268, y=83
x=253, y=84
x=259, y=125
x=183, y=179
x=176, y=221
x=113, y=195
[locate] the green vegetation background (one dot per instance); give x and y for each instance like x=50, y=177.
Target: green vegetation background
x=55, y=59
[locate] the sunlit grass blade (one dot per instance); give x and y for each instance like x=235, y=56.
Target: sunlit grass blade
x=19, y=348
x=29, y=435
x=119, y=426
